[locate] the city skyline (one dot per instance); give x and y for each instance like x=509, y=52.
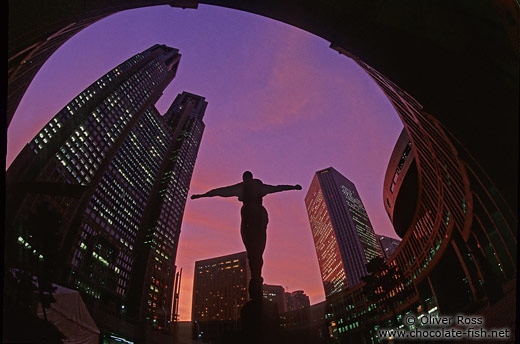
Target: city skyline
x=95, y=200
x=306, y=69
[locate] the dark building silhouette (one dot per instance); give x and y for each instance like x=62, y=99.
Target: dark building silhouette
x=388, y=245
x=118, y=173
x=307, y=324
x=276, y=294
x=343, y=236
x=220, y=288
x=297, y=300
x=458, y=252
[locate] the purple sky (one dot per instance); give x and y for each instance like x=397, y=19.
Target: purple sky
x=282, y=104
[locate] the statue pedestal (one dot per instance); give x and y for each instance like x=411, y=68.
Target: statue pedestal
x=260, y=322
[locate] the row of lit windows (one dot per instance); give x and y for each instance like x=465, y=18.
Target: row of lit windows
x=57, y=122
x=122, y=283
x=363, y=232
x=81, y=150
x=107, y=223
x=117, y=199
x=111, y=123
x=327, y=245
x=171, y=209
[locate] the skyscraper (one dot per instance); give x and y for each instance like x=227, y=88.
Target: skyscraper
x=277, y=295
x=220, y=287
x=388, y=245
x=343, y=236
x=118, y=174
x=297, y=300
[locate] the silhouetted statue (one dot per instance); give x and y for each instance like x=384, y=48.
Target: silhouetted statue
x=253, y=227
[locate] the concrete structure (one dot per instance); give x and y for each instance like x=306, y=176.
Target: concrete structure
x=343, y=235
x=118, y=174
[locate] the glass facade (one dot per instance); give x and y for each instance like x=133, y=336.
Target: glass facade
x=344, y=238
x=327, y=249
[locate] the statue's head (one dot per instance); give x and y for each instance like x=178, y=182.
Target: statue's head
x=247, y=176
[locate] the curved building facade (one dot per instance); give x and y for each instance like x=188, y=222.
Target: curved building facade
x=400, y=185
x=459, y=247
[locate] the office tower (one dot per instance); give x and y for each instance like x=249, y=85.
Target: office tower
x=117, y=174
x=220, y=287
x=297, y=300
x=275, y=294
x=343, y=236
x=388, y=245
x=161, y=221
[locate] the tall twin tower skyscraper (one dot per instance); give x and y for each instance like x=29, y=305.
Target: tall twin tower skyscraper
x=117, y=173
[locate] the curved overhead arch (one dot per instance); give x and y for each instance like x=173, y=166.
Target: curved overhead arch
x=459, y=61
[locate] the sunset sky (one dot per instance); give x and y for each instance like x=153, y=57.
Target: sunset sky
x=281, y=104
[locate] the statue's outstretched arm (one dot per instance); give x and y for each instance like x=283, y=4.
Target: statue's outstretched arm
x=268, y=189
x=226, y=191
